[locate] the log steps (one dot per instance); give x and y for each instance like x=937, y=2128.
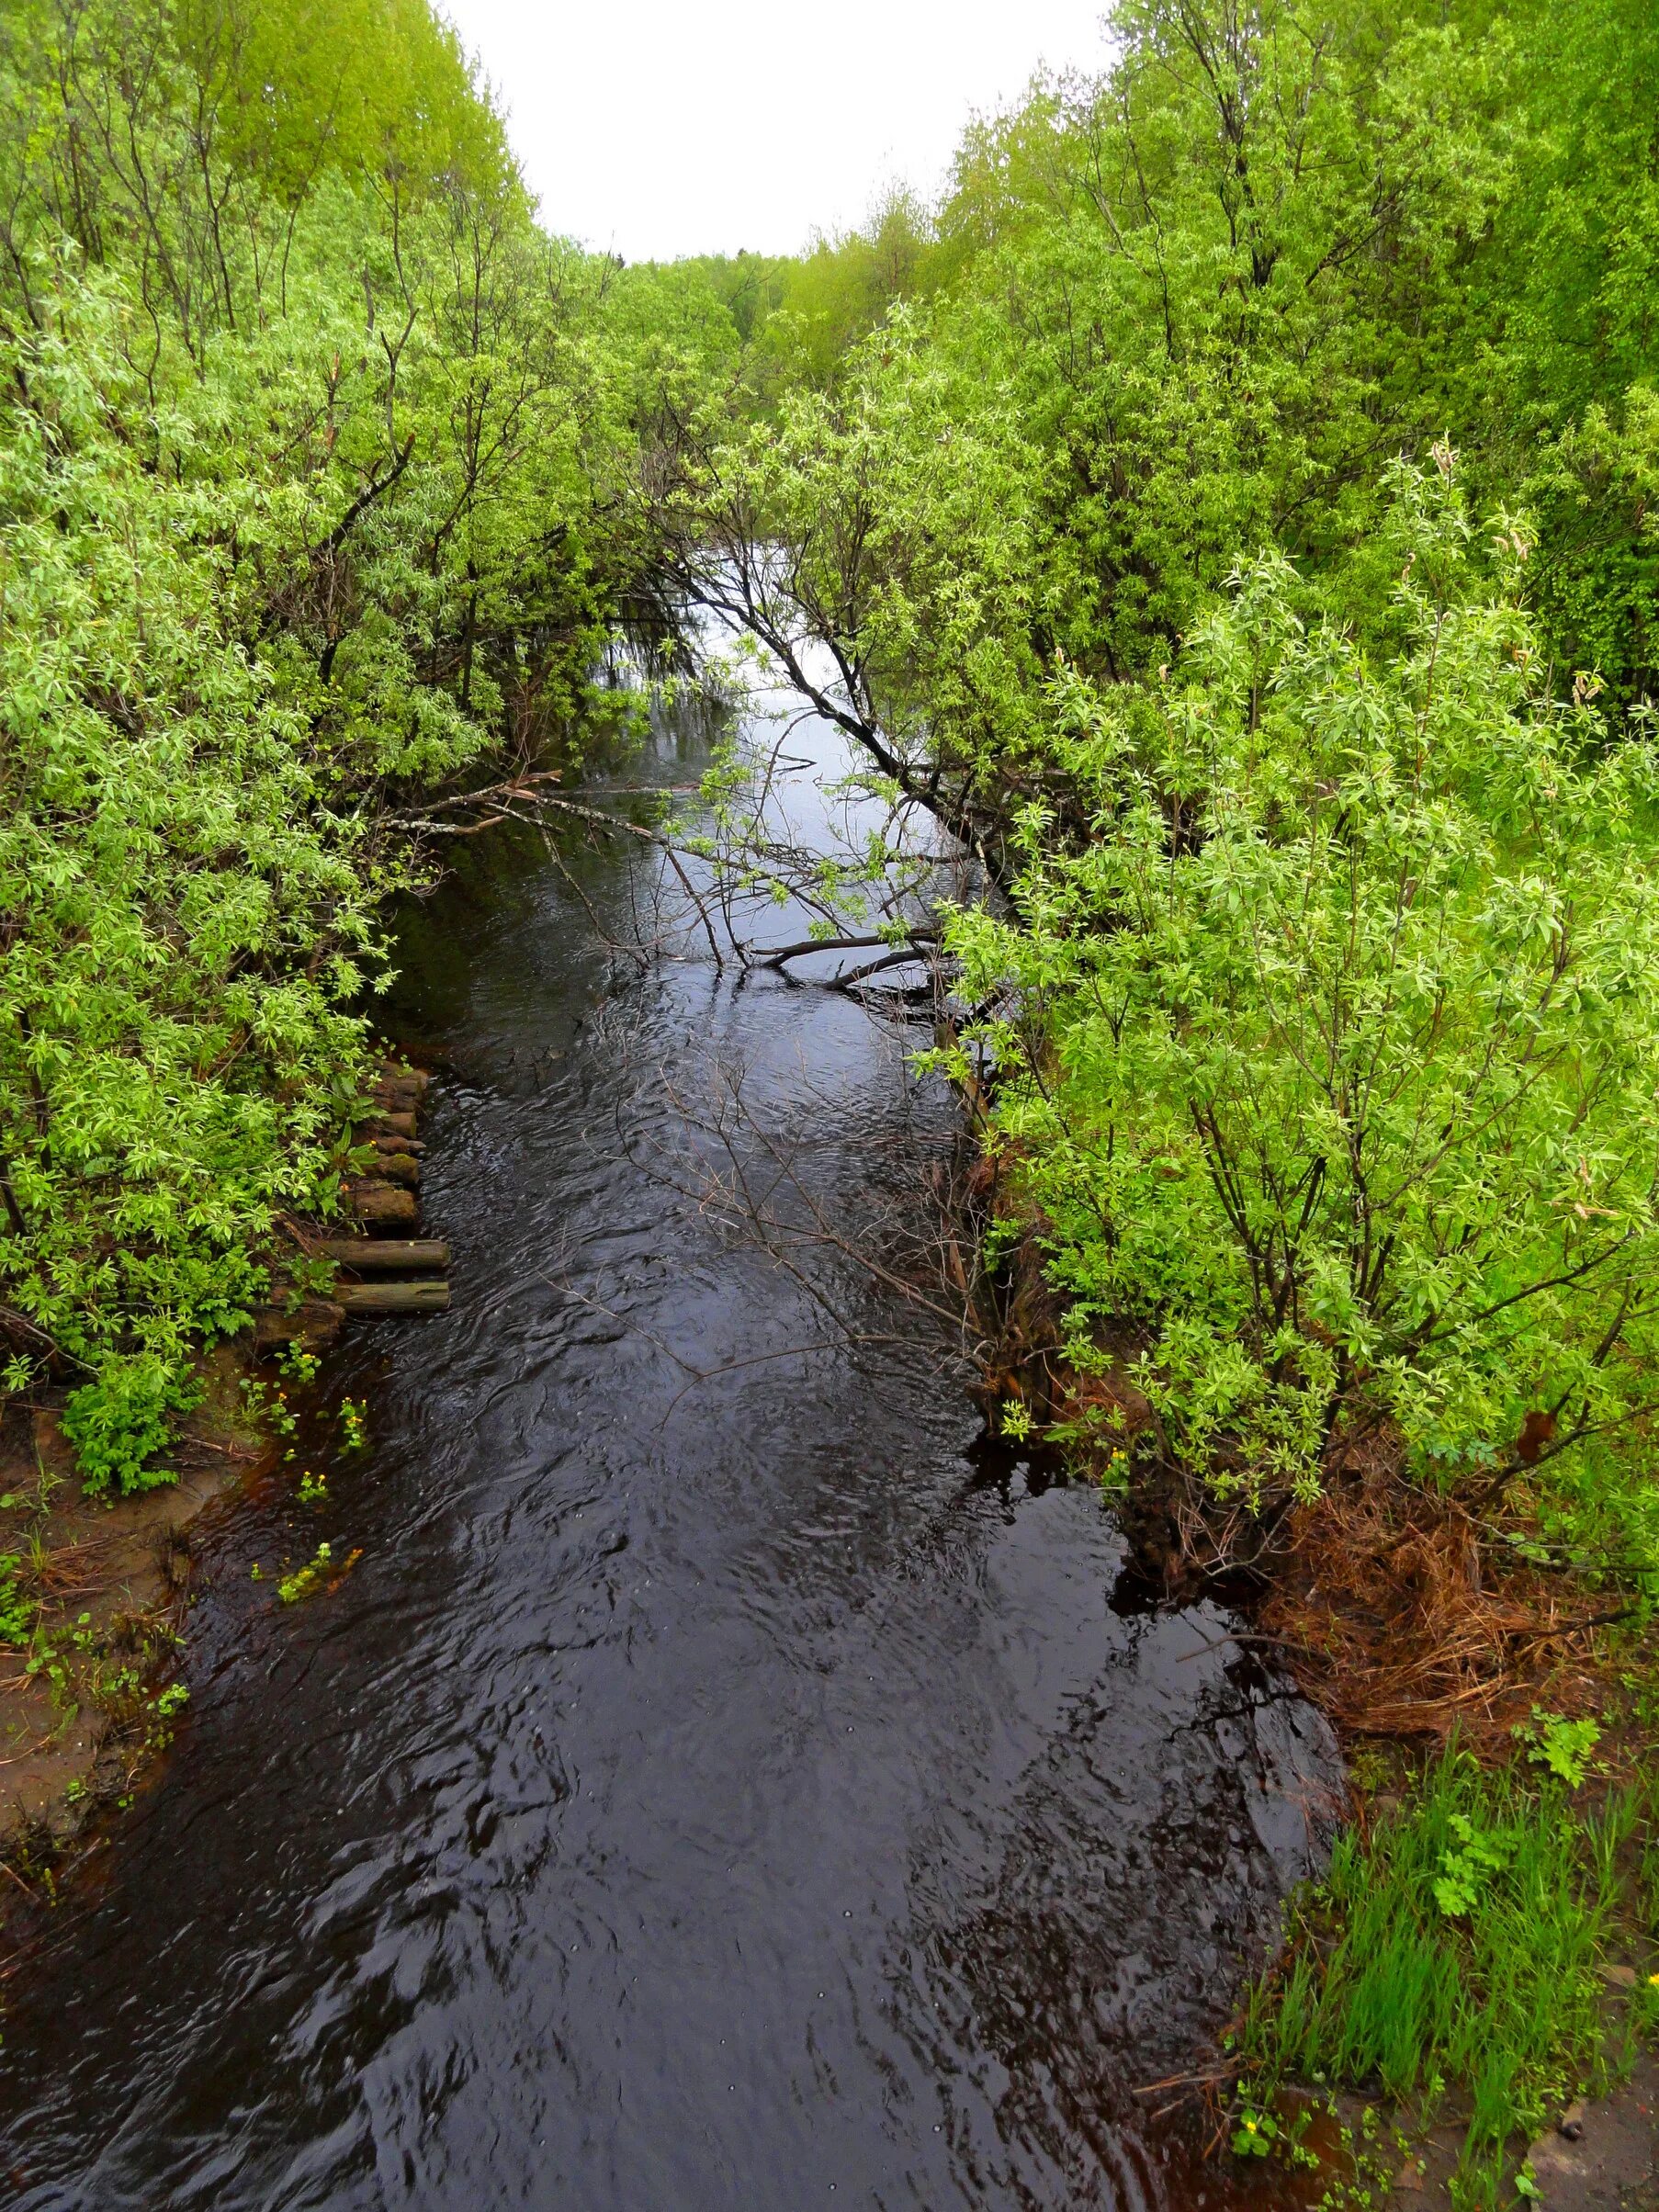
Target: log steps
x=387, y=1254
x=407, y=1273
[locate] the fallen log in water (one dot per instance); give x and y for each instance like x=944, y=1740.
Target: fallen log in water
x=430, y=1295
x=387, y=1254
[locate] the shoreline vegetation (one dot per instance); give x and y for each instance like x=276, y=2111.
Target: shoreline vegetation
x=95, y=1592
x=316, y=459
x=1224, y=530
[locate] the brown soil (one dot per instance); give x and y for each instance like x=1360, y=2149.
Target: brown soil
x=1607, y=2161
x=111, y=1579
x=1614, y=2165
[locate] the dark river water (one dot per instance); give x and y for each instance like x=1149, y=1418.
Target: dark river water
x=724, y=1780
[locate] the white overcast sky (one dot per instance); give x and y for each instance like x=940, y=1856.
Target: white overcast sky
x=656, y=128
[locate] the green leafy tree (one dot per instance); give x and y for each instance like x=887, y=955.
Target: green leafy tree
x=1327, y=1057
x=313, y=456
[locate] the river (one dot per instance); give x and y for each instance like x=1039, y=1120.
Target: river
x=724, y=1780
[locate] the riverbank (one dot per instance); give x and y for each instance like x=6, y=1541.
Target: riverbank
x=703, y=1669
x=95, y=1597
x=1481, y=1959
x=95, y=1590
x=1479, y=1962
x=1477, y=1959
x=1483, y=1956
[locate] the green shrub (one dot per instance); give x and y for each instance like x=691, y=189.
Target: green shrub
x=1327, y=1055
x=120, y=1421
x=188, y=914
x=311, y=454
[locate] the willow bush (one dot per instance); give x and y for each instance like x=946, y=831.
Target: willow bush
x=314, y=450
x=185, y=918
x=1329, y=1053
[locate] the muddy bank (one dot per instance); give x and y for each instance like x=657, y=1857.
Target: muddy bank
x=106, y=1592
x=98, y=1591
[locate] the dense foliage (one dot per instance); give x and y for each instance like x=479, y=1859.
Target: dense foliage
x=1340, y=1030
x=315, y=452
x=1229, y=514
x=1238, y=532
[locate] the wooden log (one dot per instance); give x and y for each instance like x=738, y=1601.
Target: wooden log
x=430, y=1295
x=383, y=1205
x=403, y=1086
x=399, y=1168
x=400, y=1142
x=317, y=1322
x=387, y=1254
x=389, y=1124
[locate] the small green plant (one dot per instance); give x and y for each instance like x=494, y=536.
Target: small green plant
x=1255, y=2133
x=296, y=1362
x=1468, y=1865
x=1562, y=1745
x=268, y=1406
x=313, y=1488
x=19, y=1611
x=354, y=1421
x=293, y=1588
x=165, y=1711
x=44, y=1659
x=121, y=1687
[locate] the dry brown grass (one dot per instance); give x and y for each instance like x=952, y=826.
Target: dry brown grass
x=1404, y=1618
x=72, y=1570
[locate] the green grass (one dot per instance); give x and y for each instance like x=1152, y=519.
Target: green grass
x=1455, y=1949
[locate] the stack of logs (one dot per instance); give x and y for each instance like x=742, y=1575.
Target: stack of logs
x=381, y=1270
